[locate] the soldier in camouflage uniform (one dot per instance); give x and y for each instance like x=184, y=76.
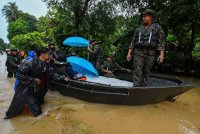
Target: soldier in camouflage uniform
x=109, y=66
x=147, y=39
x=97, y=54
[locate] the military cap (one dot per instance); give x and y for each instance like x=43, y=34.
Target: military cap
x=148, y=11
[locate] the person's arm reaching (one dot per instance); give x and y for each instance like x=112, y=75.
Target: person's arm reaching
x=121, y=68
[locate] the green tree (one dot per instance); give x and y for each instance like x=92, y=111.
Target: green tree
x=16, y=28
x=182, y=20
x=11, y=11
x=30, y=20
x=86, y=18
x=28, y=41
x=196, y=52
x=77, y=9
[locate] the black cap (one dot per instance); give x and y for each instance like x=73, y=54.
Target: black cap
x=41, y=50
x=91, y=41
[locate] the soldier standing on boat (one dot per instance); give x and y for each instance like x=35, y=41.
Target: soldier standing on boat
x=147, y=39
x=52, y=53
x=97, y=53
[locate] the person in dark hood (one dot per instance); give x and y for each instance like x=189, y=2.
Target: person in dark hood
x=13, y=62
x=52, y=53
x=33, y=76
x=61, y=66
x=97, y=53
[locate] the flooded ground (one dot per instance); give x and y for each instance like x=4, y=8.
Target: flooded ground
x=65, y=115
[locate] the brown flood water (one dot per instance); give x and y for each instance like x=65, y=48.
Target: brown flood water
x=65, y=115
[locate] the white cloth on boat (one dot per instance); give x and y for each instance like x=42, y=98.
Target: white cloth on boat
x=109, y=81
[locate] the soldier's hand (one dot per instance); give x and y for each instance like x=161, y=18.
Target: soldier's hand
x=160, y=59
x=129, y=71
x=66, y=79
x=89, y=50
x=109, y=72
x=128, y=57
x=38, y=81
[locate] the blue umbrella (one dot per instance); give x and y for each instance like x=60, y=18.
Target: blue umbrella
x=76, y=42
x=82, y=66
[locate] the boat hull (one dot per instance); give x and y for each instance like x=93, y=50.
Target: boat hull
x=99, y=93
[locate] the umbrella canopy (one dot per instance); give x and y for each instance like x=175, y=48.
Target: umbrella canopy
x=82, y=66
x=76, y=42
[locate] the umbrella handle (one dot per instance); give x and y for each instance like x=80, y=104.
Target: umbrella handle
x=88, y=56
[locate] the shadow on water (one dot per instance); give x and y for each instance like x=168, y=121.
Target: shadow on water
x=63, y=114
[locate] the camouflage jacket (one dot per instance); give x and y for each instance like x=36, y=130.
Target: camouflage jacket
x=151, y=37
x=111, y=67
x=98, y=51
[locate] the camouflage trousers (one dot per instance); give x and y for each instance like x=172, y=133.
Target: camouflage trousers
x=98, y=63
x=143, y=61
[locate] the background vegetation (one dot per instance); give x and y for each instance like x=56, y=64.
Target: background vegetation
x=112, y=22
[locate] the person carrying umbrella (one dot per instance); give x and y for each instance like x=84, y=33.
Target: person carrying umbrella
x=97, y=52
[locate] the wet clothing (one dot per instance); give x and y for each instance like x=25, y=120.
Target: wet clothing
x=31, y=55
x=145, y=42
x=61, y=56
x=53, y=55
x=98, y=56
x=28, y=92
x=64, y=68
x=107, y=66
x=12, y=64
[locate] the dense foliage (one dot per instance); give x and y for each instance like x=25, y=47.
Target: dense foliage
x=110, y=21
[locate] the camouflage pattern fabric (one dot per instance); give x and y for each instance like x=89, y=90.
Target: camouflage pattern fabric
x=145, y=42
x=143, y=61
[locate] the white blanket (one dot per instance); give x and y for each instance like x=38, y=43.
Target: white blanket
x=110, y=81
